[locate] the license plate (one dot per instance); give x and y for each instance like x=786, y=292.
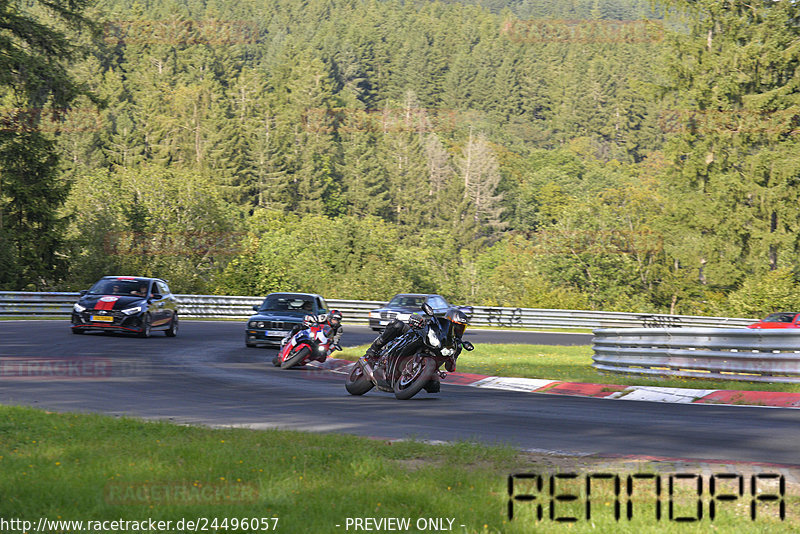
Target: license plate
x=102, y=319
x=281, y=333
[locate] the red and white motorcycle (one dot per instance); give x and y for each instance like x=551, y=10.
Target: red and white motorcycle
x=313, y=343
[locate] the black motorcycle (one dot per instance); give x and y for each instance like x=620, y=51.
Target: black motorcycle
x=411, y=361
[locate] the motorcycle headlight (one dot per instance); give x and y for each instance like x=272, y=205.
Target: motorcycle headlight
x=78, y=308
x=447, y=352
x=131, y=311
x=433, y=340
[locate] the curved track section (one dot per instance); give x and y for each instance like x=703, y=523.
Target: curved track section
x=207, y=376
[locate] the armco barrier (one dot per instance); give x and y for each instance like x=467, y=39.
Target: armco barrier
x=354, y=311
x=721, y=353
x=20, y=303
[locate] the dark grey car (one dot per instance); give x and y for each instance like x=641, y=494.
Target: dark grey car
x=403, y=305
x=278, y=314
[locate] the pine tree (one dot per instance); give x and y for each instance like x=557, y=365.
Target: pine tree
x=35, y=51
x=734, y=155
x=403, y=155
x=478, y=169
x=363, y=177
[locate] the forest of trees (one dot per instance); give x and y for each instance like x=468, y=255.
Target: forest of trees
x=584, y=154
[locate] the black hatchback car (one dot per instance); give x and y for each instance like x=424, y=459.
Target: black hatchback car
x=127, y=304
x=403, y=305
x=278, y=314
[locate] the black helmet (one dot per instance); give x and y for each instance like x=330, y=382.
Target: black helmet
x=456, y=324
x=415, y=320
x=335, y=318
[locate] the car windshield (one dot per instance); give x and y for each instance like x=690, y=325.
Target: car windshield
x=780, y=318
x=407, y=301
x=120, y=287
x=287, y=304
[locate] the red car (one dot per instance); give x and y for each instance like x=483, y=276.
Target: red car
x=779, y=320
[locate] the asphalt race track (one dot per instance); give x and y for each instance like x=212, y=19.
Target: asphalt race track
x=207, y=376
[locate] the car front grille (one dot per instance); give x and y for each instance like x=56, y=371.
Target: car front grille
x=273, y=325
x=86, y=316
x=388, y=315
x=115, y=314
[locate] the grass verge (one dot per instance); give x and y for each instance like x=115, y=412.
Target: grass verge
x=96, y=468
x=572, y=364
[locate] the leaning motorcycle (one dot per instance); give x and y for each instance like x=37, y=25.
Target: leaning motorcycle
x=309, y=344
x=408, y=363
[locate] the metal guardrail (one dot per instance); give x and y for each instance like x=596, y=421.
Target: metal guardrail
x=20, y=303
x=721, y=353
x=221, y=307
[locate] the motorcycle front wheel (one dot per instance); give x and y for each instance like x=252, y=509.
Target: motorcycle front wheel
x=357, y=382
x=413, y=376
x=296, y=358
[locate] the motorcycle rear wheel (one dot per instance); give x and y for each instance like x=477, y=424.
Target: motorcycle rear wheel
x=357, y=382
x=413, y=376
x=296, y=358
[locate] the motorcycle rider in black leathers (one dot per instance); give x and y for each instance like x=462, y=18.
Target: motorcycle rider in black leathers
x=393, y=330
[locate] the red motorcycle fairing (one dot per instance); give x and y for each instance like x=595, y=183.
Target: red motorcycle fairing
x=315, y=338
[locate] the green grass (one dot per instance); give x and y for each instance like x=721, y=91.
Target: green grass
x=76, y=467
x=572, y=364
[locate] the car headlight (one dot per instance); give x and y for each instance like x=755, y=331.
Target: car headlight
x=131, y=311
x=432, y=339
x=261, y=324
x=78, y=308
x=374, y=315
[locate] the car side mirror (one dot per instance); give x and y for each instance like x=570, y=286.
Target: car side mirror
x=83, y=292
x=157, y=296
x=467, y=345
x=427, y=309
x=255, y=307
